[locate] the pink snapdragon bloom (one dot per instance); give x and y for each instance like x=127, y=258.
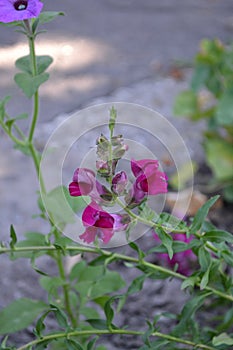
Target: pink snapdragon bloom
x=149, y=180
x=85, y=184
x=19, y=10
x=101, y=224
x=185, y=260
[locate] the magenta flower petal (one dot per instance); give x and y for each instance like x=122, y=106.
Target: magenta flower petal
x=91, y=232
x=149, y=180
x=89, y=235
x=18, y=10
x=101, y=224
x=138, y=166
x=83, y=182
x=121, y=222
x=98, y=224
x=137, y=193
x=94, y=215
x=74, y=189
x=152, y=184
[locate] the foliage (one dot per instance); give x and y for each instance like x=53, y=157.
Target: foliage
x=210, y=98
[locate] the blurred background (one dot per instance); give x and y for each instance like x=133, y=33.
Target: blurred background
x=99, y=46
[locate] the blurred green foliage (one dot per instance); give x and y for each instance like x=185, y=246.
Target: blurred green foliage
x=210, y=98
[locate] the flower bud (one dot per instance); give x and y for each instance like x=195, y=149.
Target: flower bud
x=119, y=183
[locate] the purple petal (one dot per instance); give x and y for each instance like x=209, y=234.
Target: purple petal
x=138, y=166
x=74, y=189
x=89, y=235
x=12, y=10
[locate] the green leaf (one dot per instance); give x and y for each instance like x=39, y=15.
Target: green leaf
x=95, y=281
x=224, y=112
x=146, y=212
x=101, y=301
x=204, y=258
x=13, y=237
x=40, y=326
x=20, y=314
x=219, y=155
x=200, y=76
x=205, y=278
x=136, y=285
x=110, y=282
x=228, y=193
x=43, y=345
x=24, y=64
x=97, y=323
x=171, y=222
x=166, y=239
x=89, y=312
x=32, y=239
x=186, y=104
x=156, y=345
x=2, y=107
x=189, y=282
x=29, y=84
x=9, y=123
x=199, y=218
x=134, y=246
x=48, y=16
x=73, y=345
x=227, y=256
x=42, y=62
x=221, y=339
x=51, y=283
x=62, y=206
x=108, y=310
x=189, y=310
x=61, y=317
x=91, y=344
x=218, y=236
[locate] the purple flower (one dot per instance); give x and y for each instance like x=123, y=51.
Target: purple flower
x=185, y=260
x=119, y=182
x=101, y=224
x=18, y=10
x=149, y=180
x=85, y=184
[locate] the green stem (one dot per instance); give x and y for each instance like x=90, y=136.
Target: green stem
x=117, y=256
x=67, y=335
x=147, y=222
x=17, y=128
x=12, y=137
x=36, y=95
x=66, y=289
x=165, y=228
x=36, y=160
x=35, y=116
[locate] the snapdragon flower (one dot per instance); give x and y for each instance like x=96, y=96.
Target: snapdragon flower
x=149, y=180
x=101, y=224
